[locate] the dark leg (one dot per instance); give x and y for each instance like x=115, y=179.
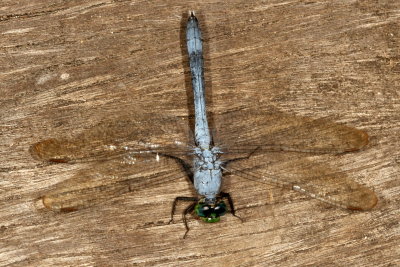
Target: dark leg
x=189, y=209
x=230, y=201
x=227, y=195
x=185, y=166
x=237, y=159
x=192, y=199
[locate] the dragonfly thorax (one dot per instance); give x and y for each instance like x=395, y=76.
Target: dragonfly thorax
x=207, y=172
x=207, y=159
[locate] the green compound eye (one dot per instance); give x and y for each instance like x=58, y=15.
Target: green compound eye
x=208, y=213
x=202, y=210
x=220, y=209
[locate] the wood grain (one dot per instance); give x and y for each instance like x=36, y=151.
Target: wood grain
x=65, y=66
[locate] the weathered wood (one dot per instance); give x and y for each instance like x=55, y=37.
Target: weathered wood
x=65, y=66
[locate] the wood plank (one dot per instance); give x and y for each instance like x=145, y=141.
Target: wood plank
x=67, y=66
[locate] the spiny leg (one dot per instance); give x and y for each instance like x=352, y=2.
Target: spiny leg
x=237, y=159
x=189, y=209
x=187, y=199
x=186, y=167
x=227, y=195
x=231, y=206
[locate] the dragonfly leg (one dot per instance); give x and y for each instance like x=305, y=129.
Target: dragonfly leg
x=189, y=209
x=186, y=167
x=177, y=199
x=246, y=157
x=231, y=206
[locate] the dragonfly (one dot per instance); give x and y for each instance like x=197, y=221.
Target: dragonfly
x=266, y=146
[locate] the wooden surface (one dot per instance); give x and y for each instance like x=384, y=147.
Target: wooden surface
x=67, y=65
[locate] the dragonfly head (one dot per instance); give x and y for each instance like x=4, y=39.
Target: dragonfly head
x=209, y=212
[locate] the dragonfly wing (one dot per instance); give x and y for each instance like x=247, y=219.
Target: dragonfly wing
x=117, y=156
x=272, y=130
x=111, y=138
x=104, y=180
x=314, y=178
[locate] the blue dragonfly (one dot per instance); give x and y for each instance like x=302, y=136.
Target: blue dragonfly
x=133, y=152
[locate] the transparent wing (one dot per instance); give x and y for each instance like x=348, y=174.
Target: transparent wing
x=113, y=138
x=104, y=180
x=314, y=178
x=272, y=130
x=122, y=151
x=254, y=136
x=117, y=156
